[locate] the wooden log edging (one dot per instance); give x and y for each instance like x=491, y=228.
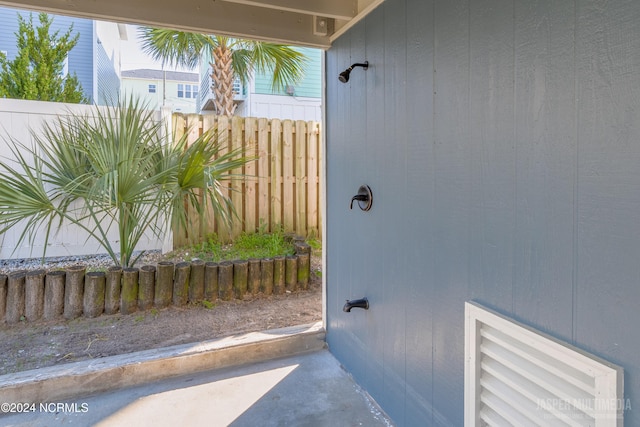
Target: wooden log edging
x=94, y=292
x=164, y=284
x=3, y=296
x=181, y=283
x=225, y=280
x=278, y=275
x=211, y=287
x=34, y=295
x=74, y=292
x=146, y=286
x=129, y=290
x=112, y=290
x=196, y=282
x=15, y=297
x=54, y=294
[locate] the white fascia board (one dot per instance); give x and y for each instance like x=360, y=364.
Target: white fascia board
x=219, y=17
x=337, y=9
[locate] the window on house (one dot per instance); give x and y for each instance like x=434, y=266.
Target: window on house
x=152, y=88
x=237, y=87
x=187, y=91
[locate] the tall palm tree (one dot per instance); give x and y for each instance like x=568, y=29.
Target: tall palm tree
x=230, y=58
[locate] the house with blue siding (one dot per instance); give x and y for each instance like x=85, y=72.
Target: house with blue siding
x=95, y=59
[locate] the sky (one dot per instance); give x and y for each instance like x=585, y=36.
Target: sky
x=134, y=58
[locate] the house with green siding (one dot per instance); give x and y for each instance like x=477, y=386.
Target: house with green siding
x=301, y=101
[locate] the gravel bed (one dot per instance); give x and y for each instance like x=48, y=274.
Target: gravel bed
x=91, y=261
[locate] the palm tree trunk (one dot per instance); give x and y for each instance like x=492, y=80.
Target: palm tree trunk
x=222, y=77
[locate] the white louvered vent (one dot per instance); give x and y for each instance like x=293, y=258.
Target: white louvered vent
x=516, y=376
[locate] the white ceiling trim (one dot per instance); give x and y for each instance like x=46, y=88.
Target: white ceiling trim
x=285, y=21
x=360, y=16
x=337, y=9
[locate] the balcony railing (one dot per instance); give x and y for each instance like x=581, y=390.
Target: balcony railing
x=206, y=93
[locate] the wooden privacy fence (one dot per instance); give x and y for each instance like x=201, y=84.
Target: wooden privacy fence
x=74, y=292
x=280, y=189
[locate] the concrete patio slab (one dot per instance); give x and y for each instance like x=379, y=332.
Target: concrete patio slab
x=280, y=377
x=57, y=383
x=309, y=389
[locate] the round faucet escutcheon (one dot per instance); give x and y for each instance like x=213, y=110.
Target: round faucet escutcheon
x=364, y=197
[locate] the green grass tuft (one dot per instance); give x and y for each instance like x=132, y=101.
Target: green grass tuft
x=246, y=246
x=208, y=304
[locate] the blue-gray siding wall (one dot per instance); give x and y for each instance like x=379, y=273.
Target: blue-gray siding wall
x=80, y=57
x=501, y=140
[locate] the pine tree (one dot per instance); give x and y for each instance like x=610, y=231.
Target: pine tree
x=37, y=71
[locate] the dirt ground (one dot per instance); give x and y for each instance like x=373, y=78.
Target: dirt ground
x=27, y=346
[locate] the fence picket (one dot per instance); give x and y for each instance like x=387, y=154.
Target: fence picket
x=222, y=230
x=280, y=188
x=300, y=178
x=263, y=172
x=250, y=171
x=236, y=184
x=288, y=177
x=276, y=172
x=196, y=226
x=180, y=127
x=313, y=167
x=208, y=123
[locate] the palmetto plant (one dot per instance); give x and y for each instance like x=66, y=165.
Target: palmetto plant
x=112, y=168
x=231, y=58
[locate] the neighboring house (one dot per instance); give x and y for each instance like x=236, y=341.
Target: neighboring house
x=175, y=89
x=302, y=101
x=95, y=59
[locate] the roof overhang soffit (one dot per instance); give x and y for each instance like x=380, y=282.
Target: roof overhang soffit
x=313, y=23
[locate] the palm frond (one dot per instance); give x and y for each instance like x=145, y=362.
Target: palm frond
x=112, y=169
x=174, y=47
x=284, y=62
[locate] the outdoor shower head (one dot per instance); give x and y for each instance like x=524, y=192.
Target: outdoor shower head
x=344, y=76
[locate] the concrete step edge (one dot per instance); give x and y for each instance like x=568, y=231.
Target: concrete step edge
x=57, y=383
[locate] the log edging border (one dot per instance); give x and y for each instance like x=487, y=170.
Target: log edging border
x=73, y=292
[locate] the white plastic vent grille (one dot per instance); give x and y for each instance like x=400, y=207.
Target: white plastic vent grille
x=516, y=376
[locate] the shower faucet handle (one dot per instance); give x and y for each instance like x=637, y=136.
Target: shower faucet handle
x=364, y=198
